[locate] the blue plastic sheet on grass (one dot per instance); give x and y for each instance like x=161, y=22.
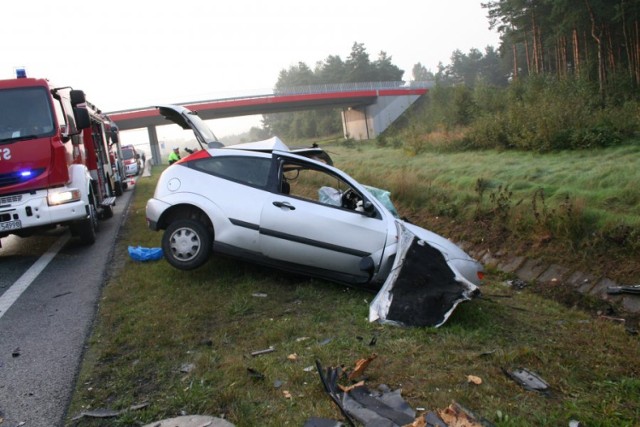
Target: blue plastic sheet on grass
x=138, y=253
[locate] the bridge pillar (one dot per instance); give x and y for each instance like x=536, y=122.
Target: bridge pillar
x=370, y=121
x=355, y=124
x=155, y=147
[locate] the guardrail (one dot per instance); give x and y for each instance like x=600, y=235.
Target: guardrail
x=351, y=87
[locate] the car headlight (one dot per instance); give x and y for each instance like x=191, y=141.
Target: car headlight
x=62, y=197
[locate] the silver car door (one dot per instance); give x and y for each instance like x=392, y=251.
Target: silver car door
x=310, y=227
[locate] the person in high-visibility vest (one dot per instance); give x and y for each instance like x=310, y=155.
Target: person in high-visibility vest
x=174, y=156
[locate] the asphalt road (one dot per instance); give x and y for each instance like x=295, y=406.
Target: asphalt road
x=44, y=332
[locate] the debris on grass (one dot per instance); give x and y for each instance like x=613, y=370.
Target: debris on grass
x=264, y=351
x=187, y=368
x=456, y=415
x=191, y=421
x=322, y=422
x=518, y=284
x=527, y=379
x=255, y=374
x=614, y=290
x=385, y=407
x=138, y=253
x=473, y=379
x=109, y=413
x=361, y=365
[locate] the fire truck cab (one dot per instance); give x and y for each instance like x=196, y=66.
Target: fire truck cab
x=55, y=166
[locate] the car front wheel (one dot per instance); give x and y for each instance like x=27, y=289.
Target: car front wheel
x=186, y=244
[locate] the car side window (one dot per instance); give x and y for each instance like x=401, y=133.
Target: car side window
x=253, y=171
x=316, y=185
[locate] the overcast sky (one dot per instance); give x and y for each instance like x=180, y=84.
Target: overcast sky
x=134, y=53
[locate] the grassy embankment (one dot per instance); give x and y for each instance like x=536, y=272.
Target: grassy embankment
x=182, y=341
x=580, y=208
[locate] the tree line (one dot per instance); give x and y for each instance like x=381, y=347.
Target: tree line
x=565, y=76
x=593, y=39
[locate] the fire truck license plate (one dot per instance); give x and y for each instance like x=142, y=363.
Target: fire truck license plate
x=10, y=225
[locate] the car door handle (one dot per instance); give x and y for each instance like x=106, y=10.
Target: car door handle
x=285, y=205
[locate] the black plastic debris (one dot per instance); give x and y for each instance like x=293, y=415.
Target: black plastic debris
x=255, y=374
x=380, y=408
x=329, y=381
x=528, y=380
x=518, y=284
x=614, y=290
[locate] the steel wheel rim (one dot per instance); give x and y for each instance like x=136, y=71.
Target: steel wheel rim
x=185, y=244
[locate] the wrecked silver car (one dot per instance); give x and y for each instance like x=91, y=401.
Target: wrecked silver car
x=291, y=209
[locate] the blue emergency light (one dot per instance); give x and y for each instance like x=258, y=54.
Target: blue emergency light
x=21, y=73
x=25, y=174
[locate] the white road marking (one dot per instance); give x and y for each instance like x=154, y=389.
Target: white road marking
x=14, y=292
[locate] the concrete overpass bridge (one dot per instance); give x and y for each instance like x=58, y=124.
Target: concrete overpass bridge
x=367, y=108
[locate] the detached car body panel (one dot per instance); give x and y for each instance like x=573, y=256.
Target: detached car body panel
x=291, y=209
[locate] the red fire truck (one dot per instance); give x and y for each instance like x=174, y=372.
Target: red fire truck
x=55, y=159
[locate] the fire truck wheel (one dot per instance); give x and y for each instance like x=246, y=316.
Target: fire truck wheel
x=107, y=212
x=87, y=228
x=186, y=244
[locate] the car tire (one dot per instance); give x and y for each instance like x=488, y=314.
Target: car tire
x=186, y=244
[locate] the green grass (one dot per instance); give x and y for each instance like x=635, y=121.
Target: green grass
x=603, y=180
x=182, y=341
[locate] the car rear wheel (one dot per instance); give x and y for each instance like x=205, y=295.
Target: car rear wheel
x=186, y=244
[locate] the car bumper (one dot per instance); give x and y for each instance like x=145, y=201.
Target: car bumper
x=30, y=210
x=154, y=210
x=423, y=288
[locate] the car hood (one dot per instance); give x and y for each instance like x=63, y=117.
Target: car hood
x=424, y=287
